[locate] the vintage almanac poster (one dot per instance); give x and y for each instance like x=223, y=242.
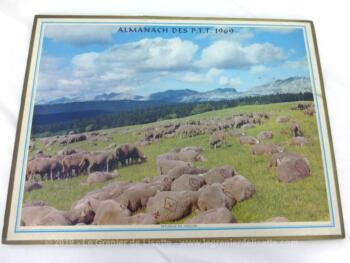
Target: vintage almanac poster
x=164, y=129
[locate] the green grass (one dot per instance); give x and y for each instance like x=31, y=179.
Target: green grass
x=305, y=200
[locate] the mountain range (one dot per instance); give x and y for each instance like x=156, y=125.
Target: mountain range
x=288, y=85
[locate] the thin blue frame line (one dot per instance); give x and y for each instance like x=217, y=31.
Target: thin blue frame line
x=28, y=125
x=160, y=229
x=330, y=203
x=171, y=229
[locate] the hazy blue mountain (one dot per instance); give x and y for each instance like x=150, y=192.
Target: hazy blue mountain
x=61, y=100
x=117, y=96
x=289, y=85
x=172, y=95
x=212, y=95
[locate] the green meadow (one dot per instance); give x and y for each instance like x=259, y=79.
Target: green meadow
x=305, y=200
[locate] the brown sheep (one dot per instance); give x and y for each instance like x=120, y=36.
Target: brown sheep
x=277, y=158
x=212, y=197
x=295, y=129
x=43, y=215
x=218, y=174
x=71, y=163
x=186, y=154
x=177, y=171
x=216, y=139
x=213, y=216
x=188, y=182
x=248, y=140
x=137, y=195
x=170, y=206
x=292, y=169
x=265, y=135
x=260, y=149
x=283, y=119
x=44, y=166
x=300, y=141
x=98, y=161
x=129, y=154
x=99, y=177
x=164, y=165
x=238, y=188
x=107, y=212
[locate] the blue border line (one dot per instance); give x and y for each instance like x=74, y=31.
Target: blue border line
x=329, y=193
x=184, y=228
x=28, y=126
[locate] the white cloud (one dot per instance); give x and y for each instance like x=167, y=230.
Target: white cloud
x=199, y=77
x=296, y=64
x=51, y=73
x=118, y=75
x=144, y=55
x=70, y=82
x=259, y=69
x=121, y=67
x=80, y=35
x=227, y=54
x=193, y=77
x=230, y=82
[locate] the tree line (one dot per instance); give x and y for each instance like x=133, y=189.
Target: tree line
x=157, y=113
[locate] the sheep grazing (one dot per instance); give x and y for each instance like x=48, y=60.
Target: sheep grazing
x=265, y=135
x=260, y=149
x=295, y=129
x=283, y=119
x=292, y=169
x=217, y=139
x=248, y=140
x=300, y=141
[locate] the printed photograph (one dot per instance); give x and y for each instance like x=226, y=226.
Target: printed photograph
x=161, y=123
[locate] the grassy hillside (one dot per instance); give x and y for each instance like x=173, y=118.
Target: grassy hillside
x=305, y=200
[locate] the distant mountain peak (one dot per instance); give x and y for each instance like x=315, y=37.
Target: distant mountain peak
x=117, y=96
x=172, y=95
x=295, y=84
x=289, y=85
x=225, y=90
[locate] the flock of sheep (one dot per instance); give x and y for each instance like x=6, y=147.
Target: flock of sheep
x=70, y=162
x=180, y=191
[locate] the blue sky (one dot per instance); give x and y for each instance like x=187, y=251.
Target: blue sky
x=86, y=60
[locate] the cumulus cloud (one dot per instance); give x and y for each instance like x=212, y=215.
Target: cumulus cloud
x=230, y=82
x=144, y=55
x=121, y=67
x=226, y=54
x=80, y=35
x=51, y=73
x=296, y=64
x=259, y=69
x=129, y=66
x=199, y=77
